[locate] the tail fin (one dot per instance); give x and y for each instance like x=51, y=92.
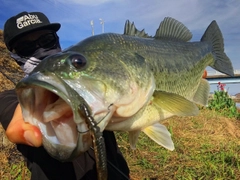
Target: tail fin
x=222, y=62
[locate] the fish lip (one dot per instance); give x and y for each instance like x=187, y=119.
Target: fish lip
x=63, y=91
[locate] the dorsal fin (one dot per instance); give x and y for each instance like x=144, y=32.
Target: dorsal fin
x=131, y=30
x=171, y=29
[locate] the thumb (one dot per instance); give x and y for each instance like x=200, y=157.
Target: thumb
x=21, y=132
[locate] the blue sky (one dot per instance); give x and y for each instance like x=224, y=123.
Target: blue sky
x=75, y=17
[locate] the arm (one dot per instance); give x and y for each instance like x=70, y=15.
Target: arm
x=12, y=121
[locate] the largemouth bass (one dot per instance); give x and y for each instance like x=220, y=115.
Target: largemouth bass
x=129, y=82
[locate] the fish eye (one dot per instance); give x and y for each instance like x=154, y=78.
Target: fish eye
x=78, y=60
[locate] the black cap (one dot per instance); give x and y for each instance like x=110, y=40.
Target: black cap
x=26, y=22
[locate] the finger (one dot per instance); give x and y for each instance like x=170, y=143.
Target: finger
x=20, y=132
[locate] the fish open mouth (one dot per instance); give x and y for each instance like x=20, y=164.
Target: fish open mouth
x=53, y=115
x=53, y=106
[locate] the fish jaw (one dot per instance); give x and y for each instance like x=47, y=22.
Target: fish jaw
x=50, y=104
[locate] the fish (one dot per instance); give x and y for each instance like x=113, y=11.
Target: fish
x=125, y=82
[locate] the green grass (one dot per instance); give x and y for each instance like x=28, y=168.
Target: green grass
x=207, y=161
x=206, y=147
x=16, y=171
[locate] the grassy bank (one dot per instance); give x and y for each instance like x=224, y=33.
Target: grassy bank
x=206, y=147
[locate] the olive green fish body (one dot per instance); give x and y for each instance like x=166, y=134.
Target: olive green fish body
x=129, y=82
x=175, y=65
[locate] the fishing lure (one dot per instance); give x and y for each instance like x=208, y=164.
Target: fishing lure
x=98, y=143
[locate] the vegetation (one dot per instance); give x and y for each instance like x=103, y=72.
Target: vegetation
x=207, y=146
x=11, y=162
x=223, y=103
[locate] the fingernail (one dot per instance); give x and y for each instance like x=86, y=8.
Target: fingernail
x=29, y=137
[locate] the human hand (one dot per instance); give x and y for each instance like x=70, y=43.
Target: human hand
x=21, y=132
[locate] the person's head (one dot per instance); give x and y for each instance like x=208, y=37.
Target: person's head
x=30, y=34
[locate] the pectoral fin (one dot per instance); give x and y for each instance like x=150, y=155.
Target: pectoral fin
x=160, y=135
x=175, y=104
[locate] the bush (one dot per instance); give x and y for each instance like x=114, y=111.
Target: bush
x=223, y=103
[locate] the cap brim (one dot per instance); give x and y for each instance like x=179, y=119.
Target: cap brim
x=53, y=26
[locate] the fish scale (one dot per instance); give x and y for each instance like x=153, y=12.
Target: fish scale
x=173, y=60
x=128, y=82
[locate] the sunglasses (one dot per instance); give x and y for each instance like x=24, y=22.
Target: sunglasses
x=27, y=48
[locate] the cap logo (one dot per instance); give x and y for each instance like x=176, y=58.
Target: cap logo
x=27, y=20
